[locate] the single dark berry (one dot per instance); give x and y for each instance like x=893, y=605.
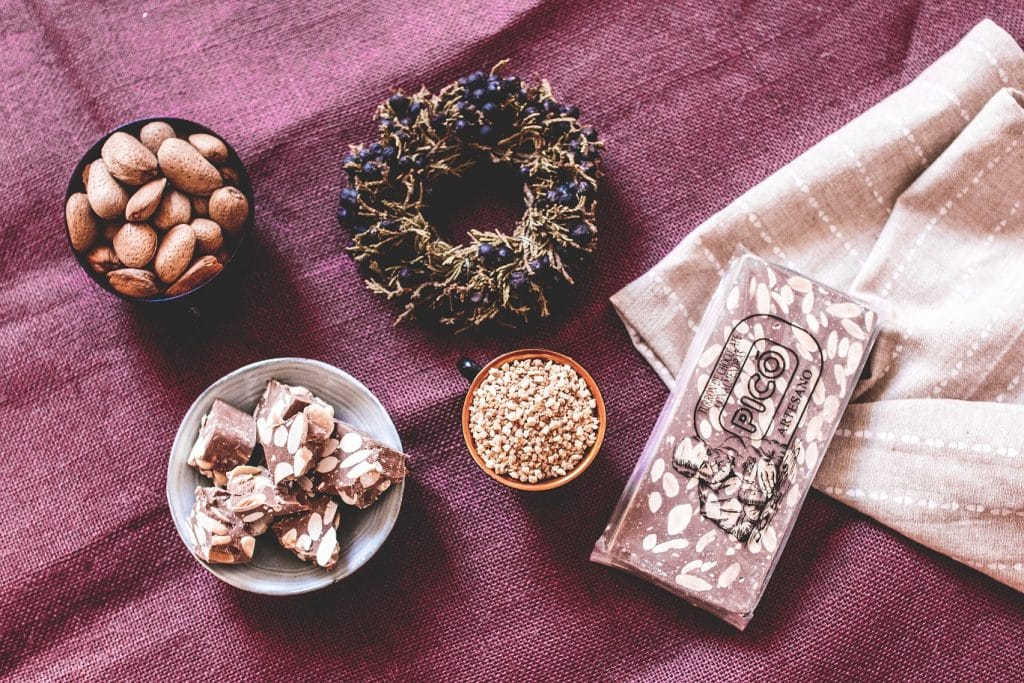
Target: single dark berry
x=343, y=215
x=558, y=128
x=549, y=107
x=475, y=79
x=349, y=197
x=495, y=89
x=389, y=153
x=572, y=112
x=375, y=149
x=486, y=252
x=575, y=145
x=590, y=133
x=525, y=172
x=414, y=110
x=488, y=134
x=349, y=159
x=419, y=161
x=581, y=234
x=490, y=110
x=405, y=121
x=462, y=106
x=518, y=280
x=371, y=171
x=504, y=255
x=478, y=96
x=511, y=84
x=398, y=103
x=388, y=225
x=530, y=111
x=464, y=129
x=540, y=265
x=476, y=297
x=437, y=123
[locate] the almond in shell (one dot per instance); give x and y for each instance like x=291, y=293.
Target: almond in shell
x=205, y=268
x=135, y=244
x=201, y=206
x=146, y=199
x=211, y=147
x=175, y=253
x=154, y=133
x=82, y=226
x=102, y=259
x=133, y=282
x=229, y=208
x=106, y=196
x=174, y=209
x=187, y=169
x=127, y=159
x=229, y=175
x=209, y=238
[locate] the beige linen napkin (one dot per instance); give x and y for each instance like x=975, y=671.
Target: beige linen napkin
x=917, y=201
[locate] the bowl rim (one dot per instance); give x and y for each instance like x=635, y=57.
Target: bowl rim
x=209, y=394
x=75, y=185
x=546, y=354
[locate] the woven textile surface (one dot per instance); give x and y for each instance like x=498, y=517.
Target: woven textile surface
x=698, y=101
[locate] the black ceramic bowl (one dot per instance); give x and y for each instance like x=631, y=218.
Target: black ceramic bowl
x=182, y=128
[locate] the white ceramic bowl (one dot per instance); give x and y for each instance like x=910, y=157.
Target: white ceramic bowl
x=274, y=570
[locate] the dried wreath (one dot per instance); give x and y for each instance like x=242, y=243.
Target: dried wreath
x=505, y=278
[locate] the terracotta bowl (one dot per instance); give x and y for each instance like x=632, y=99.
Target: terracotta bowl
x=547, y=484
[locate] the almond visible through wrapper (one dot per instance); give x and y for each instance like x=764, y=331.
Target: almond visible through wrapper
x=127, y=159
x=145, y=201
x=187, y=169
x=133, y=282
x=82, y=226
x=229, y=208
x=174, y=253
x=135, y=244
x=205, y=268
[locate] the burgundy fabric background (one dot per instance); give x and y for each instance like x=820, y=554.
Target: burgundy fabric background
x=697, y=101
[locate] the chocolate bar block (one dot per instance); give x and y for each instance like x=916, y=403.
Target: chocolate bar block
x=356, y=467
x=719, y=485
x=226, y=440
x=312, y=535
x=220, y=535
x=252, y=488
x=278, y=403
x=295, y=443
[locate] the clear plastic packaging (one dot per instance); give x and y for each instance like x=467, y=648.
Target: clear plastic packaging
x=716, y=492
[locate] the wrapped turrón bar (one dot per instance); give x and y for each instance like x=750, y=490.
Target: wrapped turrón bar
x=716, y=492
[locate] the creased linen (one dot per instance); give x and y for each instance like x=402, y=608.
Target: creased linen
x=916, y=202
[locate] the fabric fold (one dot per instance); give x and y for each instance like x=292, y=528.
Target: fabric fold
x=915, y=202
